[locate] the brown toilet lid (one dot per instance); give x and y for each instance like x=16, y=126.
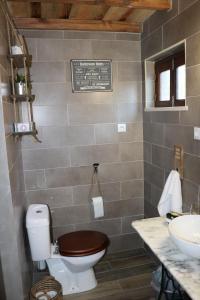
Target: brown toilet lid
x=82, y=243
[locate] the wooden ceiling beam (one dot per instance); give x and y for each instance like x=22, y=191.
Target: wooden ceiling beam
x=142, y=4
x=127, y=14
x=35, y=23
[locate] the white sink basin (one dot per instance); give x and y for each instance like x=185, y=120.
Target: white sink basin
x=185, y=233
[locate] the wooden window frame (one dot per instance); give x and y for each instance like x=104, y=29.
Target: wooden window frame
x=171, y=63
x=179, y=60
x=161, y=66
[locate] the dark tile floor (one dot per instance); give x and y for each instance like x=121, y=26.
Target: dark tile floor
x=122, y=276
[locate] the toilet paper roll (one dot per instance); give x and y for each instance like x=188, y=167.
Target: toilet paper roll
x=98, y=207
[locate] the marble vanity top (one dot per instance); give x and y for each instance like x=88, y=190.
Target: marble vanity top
x=185, y=270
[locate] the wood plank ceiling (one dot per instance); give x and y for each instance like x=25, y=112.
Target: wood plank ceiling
x=100, y=15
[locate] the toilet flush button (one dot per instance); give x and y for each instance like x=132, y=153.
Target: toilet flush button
x=196, y=133
x=121, y=127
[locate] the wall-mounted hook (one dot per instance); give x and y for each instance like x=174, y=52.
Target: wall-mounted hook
x=95, y=166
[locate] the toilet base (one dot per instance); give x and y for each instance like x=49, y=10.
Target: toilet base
x=71, y=282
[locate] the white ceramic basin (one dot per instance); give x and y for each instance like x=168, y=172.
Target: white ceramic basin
x=185, y=233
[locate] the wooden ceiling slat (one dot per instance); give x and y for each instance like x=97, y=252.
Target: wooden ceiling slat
x=34, y=23
x=146, y=4
x=20, y=9
x=115, y=13
x=139, y=15
x=52, y=10
x=87, y=12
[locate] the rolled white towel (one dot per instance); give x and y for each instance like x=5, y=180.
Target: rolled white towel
x=171, y=198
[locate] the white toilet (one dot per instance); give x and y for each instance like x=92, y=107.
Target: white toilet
x=72, y=258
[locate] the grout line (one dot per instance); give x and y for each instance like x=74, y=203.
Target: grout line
x=94, y=134
x=36, y=50
x=70, y=156
x=45, y=178
x=67, y=115
x=193, y=66
x=121, y=225
x=90, y=166
x=178, y=8
x=187, y=7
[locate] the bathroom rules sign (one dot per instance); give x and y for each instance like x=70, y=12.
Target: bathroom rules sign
x=91, y=75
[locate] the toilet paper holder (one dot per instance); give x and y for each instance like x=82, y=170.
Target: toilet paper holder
x=95, y=196
x=95, y=166
x=95, y=180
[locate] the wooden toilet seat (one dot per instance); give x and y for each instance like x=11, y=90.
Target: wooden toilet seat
x=82, y=243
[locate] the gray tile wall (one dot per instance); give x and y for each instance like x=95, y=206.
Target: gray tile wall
x=15, y=265
x=164, y=129
x=78, y=129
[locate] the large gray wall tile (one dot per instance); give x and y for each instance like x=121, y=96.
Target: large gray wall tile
x=58, y=197
x=125, y=242
x=50, y=115
x=61, y=177
x=128, y=71
x=192, y=50
x=70, y=215
x=116, y=50
x=49, y=50
x=91, y=113
x=193, y=76
x=132, y=188
x=131, y=151
x=48, y=72
x=191, y=117
x=57, y=93
x=35, y=180
x=46, y=158
x=109, y=227
x=59, y=136
x=87, y=155
x=77, y=49
x=154, y=175
x=191, y=168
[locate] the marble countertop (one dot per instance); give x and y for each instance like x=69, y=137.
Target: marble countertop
x=185, y=270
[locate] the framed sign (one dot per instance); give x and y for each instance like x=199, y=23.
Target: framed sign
x=91, y=75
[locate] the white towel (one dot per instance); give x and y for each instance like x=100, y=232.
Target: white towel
x=171, y=198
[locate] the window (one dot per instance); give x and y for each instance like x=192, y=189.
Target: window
x=170, y=82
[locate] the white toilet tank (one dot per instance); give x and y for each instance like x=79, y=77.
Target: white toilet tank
x=37, y=224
